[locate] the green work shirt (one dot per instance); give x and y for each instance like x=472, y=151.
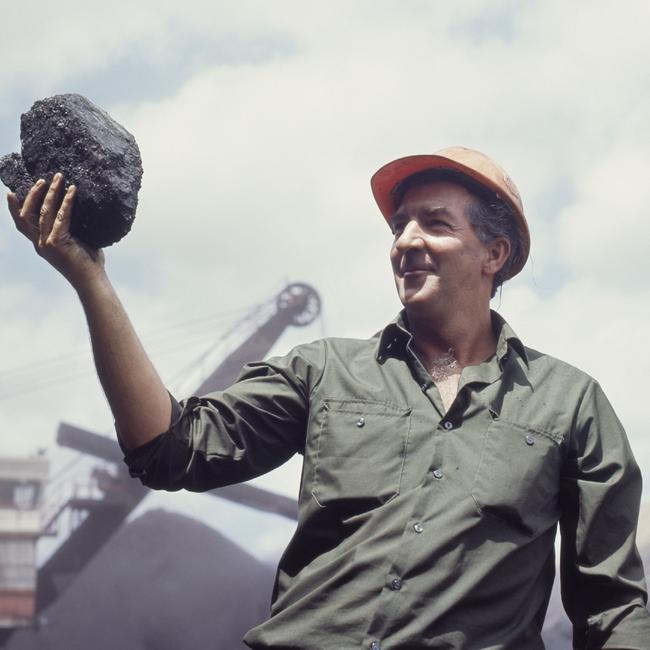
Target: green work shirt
x=420, y=528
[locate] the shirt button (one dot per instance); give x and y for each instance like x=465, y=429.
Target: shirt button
x=396, y=584
x=424, y=387
x=530, y=440
x=437, y=473
x=361, y=421
x=375, y=645
x=448, y=425
x=418, y=527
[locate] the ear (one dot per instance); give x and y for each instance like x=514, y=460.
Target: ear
x=497, y=253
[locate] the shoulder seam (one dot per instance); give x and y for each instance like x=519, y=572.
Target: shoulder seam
x=322, y=372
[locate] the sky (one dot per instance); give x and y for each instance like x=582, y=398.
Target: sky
x=260, y=124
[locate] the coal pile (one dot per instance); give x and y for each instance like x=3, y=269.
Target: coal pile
x=69, y=134
x=164, y=582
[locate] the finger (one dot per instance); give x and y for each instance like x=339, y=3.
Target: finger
x=47, y=213
x=14, y=207
x=14, y=211
x=28, y=214
x=61, y=226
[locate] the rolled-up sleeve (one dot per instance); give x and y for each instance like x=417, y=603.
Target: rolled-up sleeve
x=603, y=585
x=234, y=435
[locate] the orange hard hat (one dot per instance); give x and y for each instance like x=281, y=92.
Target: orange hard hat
x=472, y=163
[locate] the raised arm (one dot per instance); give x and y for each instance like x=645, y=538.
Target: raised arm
x=136, y=395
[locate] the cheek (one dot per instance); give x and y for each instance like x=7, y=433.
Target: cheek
x=472, y=254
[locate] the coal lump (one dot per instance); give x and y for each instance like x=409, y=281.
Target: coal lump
x=70, y=134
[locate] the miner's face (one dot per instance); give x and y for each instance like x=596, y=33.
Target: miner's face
x=436, y=256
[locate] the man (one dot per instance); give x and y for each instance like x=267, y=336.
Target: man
x=439, y=456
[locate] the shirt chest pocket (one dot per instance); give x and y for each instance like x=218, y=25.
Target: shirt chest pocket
x=518, y=476
x=359, y=454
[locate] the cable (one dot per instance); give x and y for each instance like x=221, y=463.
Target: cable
x=40, y=365
x=249, y=320
x=21, y=380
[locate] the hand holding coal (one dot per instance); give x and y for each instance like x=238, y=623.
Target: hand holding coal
x=69, y=134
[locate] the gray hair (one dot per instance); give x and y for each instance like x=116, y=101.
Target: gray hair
x=491, y=217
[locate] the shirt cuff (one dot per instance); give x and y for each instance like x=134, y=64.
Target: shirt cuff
x=138, y=459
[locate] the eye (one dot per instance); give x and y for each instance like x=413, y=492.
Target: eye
x=397, y=226
x=436, y=223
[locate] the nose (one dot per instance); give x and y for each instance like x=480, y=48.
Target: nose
x=411, y=238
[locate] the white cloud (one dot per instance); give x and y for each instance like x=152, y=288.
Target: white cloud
x=604, y=235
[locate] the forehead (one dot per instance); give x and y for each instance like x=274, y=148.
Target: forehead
x=435, y=195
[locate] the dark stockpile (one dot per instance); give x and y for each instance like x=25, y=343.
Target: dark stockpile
x=69, y=134
x=164, y=582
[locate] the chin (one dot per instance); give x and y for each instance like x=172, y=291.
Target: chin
x=416, y=297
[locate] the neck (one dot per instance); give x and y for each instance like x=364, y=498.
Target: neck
x=466, y=339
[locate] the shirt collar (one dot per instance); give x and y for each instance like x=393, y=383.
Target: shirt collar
x=506, y=338
x=394, y=338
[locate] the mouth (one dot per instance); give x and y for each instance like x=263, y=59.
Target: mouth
x=414, y=271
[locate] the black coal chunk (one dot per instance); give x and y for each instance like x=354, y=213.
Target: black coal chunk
x=69, y=134
x=14, y=175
